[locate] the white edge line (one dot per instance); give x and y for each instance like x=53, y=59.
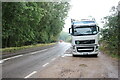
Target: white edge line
x=31, y=74
x=1, y=61
x=45, y=64
x=44, y=49
x=11, y=58
x=62, y=56
x=33, y=53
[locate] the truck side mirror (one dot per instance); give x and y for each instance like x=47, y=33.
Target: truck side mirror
x=98, y=28
x=70, y=32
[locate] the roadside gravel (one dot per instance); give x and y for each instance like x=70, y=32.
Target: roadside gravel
x=67, y=66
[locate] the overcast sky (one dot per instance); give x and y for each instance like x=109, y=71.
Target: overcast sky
x=84, y=8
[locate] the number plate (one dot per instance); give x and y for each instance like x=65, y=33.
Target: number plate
x=85, y=53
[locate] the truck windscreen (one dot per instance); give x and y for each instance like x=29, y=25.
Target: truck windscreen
x=90, y=30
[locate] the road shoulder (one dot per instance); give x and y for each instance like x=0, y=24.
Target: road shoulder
x=81, y=67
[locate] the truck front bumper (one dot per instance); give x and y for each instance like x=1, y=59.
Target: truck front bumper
x=85, y=53
x=85, y=49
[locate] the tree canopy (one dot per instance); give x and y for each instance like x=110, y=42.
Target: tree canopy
x=110, y=32
x=65, y=36
x=25, y=23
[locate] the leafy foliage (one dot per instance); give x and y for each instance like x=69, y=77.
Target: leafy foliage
x=65, y=36
x=110, y=32
x=27, y=23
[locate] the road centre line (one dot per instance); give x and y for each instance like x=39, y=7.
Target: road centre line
x=31, y=74
x=45, y=64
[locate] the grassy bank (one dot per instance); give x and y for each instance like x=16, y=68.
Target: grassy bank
x=14, y=49
x=104, y=48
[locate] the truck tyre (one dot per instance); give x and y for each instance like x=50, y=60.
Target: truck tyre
x=74, y=55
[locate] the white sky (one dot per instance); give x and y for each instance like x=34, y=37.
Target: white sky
x=84, y=8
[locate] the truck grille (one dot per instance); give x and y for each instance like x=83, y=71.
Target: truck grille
x=85, y=49
x=85, y=42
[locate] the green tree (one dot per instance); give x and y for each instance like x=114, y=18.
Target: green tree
x=110, y=32
x=65, y=36
x=27, y=23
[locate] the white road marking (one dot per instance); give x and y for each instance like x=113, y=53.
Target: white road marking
x=44, y=49
x=1, y=61
x=63, y=56
x=38, y=51
x=45, y=64
x=33, y=53
x=66, y=55
x=31, y=74
x=53, y=59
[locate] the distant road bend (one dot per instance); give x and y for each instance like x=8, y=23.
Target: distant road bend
x=26, y=65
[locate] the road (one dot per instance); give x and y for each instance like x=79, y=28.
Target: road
x=24, y=66
x=67, y=66
x=58, y=62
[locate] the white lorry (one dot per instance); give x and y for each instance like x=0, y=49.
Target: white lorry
x=85, y=36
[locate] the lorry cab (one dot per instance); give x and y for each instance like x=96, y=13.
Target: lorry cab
x=85, y=36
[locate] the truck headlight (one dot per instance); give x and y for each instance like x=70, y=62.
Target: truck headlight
x=77, y=42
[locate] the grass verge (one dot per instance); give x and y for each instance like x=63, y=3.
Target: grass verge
x=104, y=49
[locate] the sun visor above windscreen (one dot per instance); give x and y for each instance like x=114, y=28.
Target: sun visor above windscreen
x=84, y=23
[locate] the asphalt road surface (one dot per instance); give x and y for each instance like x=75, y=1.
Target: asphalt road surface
x=58, y=62
x=25, y=65
x=67, y=66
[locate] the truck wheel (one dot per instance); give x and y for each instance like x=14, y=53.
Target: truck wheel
x=74, y=55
